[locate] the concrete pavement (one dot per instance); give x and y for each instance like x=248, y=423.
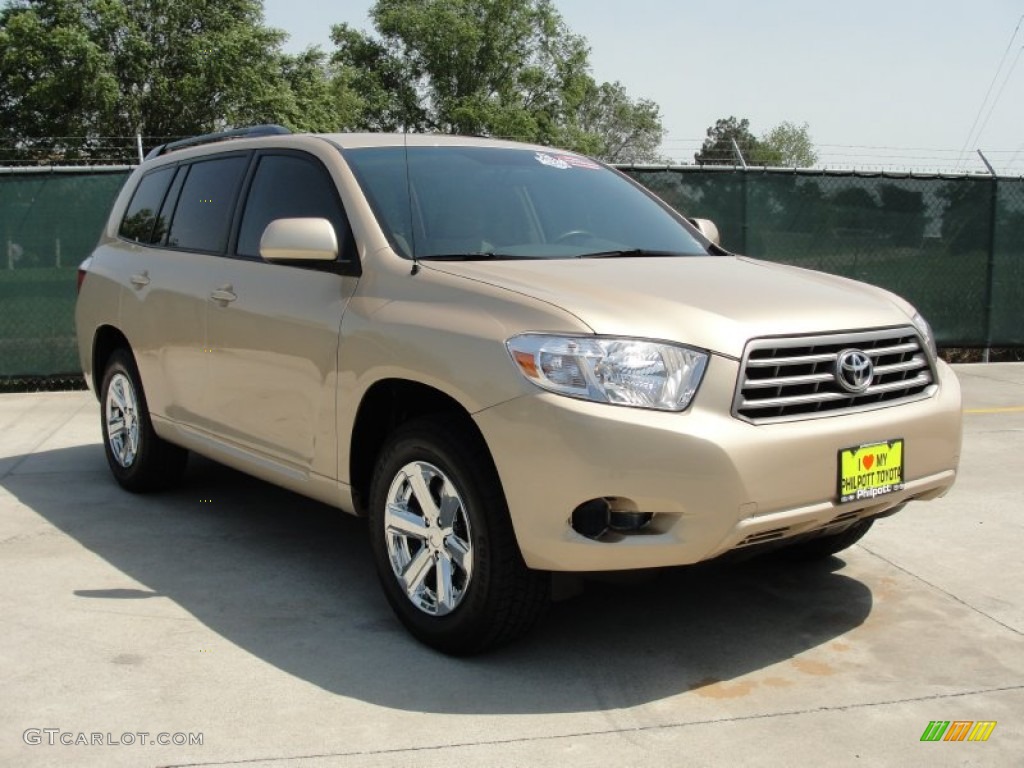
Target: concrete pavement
x=250, y=616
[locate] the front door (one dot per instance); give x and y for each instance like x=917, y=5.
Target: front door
x=272, y=329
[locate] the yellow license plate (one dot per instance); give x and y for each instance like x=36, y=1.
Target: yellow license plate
x=870, y=470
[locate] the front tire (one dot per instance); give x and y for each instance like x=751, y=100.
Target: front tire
x=139, y=460
x=443, y=543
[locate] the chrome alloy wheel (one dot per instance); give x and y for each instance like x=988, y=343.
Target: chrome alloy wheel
x=122, y=420
x=428, y=538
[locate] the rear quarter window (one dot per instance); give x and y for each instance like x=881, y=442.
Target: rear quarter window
x=141, y=223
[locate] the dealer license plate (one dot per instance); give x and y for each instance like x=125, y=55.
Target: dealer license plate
x=871, y=470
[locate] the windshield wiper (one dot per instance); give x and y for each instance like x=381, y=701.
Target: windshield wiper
x=624, y=252
x=471, y=256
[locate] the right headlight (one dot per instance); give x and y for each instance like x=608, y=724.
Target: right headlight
x=623, y=371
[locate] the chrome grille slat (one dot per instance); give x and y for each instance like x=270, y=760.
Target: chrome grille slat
x=778, y=402
x=824, y=397
x=910, y=365
x=773, y=361
x=784, y=379
x=897, y=349
x=920, y=380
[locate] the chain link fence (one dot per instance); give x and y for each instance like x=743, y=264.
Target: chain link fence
x=954, y=246
x=50, y=219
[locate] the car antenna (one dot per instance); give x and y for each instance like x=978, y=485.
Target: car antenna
x=408, y=189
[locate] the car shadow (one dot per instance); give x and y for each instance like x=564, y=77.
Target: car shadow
x=291, y=581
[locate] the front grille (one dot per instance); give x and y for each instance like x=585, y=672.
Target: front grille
x=795, y=378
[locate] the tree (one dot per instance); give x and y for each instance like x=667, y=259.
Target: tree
x=375, y=88
x=507, y=68
x=786, y=144
x=166, y=68
x=723, y=138
x=163, y=68
x=55, y=80
x=313, y=104
x=622, y=130
x=789, y=145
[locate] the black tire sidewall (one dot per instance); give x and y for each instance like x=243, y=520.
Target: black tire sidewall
x=463, y=629
x=136, y=476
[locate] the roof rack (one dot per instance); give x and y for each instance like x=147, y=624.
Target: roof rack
x=210, y=138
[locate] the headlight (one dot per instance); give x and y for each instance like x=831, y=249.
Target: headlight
x=633, y=372
x=926, y=333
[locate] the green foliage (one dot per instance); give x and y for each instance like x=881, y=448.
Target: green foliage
x=88, y=69
x=55, y=79
x=374, y=88
x=313, y=105
x=718, y=148
x=624, y=130
x=503, y=68
x=788, y=145
x=163, y=68
x=785, y=145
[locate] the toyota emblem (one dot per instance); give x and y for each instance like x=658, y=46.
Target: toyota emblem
x=854, y=371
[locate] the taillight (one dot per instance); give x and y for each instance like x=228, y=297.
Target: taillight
x=83, y=270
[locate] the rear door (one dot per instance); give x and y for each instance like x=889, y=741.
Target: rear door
x=163, y=304
x=273, y=329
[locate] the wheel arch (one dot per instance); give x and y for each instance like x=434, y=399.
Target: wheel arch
x=105, y=341
x=385, y=406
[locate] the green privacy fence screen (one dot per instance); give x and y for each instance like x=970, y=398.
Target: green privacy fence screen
x=952, y=246
x=49, y=222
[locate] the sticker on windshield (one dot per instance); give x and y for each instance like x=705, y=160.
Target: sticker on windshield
x=565, y=162
x=551, y=161
x=579, y=162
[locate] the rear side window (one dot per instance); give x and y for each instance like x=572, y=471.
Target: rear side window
x=202, y=218
x=141, y=222
x=284, y=187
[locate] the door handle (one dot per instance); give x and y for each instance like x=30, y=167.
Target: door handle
x=224, y=294
x=140, y=279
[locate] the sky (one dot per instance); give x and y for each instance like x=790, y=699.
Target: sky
x=896, y=85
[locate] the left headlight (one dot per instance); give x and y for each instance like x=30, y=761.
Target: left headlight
x=926, y=333
x=636, y=372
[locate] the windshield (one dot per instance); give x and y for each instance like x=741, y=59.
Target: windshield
x=484, y=202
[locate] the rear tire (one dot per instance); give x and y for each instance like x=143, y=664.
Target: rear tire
x=825, y=546
x=443, y=542
x=139, y=460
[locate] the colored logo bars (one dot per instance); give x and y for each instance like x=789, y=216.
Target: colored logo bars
x=958, y=730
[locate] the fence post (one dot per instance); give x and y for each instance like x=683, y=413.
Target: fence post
x=57, y=248
x=991, y=266
x=744, y=228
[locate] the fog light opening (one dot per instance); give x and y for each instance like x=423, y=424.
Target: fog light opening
x=591, y=518
x=626, y=522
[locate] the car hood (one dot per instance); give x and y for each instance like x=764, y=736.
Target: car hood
x=712, y=302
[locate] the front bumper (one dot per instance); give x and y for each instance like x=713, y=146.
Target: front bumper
x=712, y=482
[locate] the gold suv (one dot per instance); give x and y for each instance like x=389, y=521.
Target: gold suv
x=512, y=360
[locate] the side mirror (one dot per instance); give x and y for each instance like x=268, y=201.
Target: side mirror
x=707, y=228
x=287, y=240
